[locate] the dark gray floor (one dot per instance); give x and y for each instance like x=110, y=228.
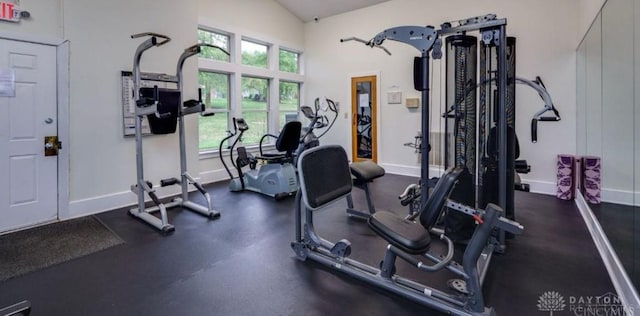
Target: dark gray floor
x=621, y=223
x=241, y=264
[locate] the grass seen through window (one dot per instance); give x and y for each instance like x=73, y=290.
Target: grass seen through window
x=213, y=129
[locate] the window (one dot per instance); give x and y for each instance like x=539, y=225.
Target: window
x=289, y=61
x=289, y=100
x=255, y=97
x=214, y=38
x=215, y=95
x=254, y=54
x=261, y=82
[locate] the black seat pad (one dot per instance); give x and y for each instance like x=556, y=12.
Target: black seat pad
x=366, y=171
x=406, y=235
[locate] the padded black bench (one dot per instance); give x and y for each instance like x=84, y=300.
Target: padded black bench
x=363, y=173
x=414, y=236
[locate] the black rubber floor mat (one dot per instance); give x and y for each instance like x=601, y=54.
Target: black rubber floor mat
x=40, y=247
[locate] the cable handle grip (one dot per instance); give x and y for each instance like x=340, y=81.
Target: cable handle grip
x=144, y=102
x=406, y=202
x=191, y=103
x=206, y=113
x=369, y=43
x=534, y=130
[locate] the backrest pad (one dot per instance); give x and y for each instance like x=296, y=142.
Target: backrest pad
x=324, y=175
x=289, y=137
x=438, y=198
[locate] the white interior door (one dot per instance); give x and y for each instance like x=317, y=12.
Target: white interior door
x=28, y=178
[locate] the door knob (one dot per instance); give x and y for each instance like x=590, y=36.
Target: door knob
x=51, y=145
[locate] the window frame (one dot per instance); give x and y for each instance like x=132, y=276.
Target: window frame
x=267, y=45
x=223, y=33
x=280, y=111
x=217, y=111
x=288, y=50
x=236, y=70
x=266, y=109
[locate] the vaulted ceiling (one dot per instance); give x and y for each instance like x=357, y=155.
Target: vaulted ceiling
x=307, y=10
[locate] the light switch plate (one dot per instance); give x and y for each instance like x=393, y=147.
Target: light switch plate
x=394, y=97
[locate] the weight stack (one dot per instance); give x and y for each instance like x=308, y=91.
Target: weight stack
x=460, y=123
x=591, y=179
x=565, y=187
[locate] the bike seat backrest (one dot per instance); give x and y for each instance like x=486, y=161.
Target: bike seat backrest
x=324, y=175
x=289, y=137
x=438, y=197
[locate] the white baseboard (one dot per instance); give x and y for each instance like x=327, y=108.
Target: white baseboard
x=410, y=171
x=103, y=203
x=608, y=195
x=621, y=282
x=621, y=197
x=542, y=187
x=214, y=176
x=99, y=204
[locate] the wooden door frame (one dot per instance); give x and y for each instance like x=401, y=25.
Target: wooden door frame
x=377, y=154
x=62, y=90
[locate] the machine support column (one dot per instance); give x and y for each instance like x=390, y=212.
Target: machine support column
x=424, y=148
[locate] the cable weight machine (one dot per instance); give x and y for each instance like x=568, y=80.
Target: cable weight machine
x=471, y=132
x=410, y=241
x=427, y=40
